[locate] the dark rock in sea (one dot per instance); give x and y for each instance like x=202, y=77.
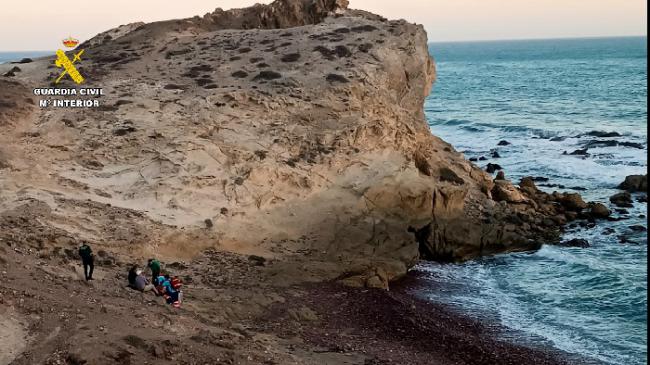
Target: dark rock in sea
x=603, y=134
x=623, y=239
x=491, y=168
x=473, y=159
x=504, y=143
x=610, y=143
x=639, y=146
x=482, y=158
x=557, y=139
x=608, y=231
x=622, y=211
x=635, y=183
x=495, y=154
x=558, y=186
x=600, y=143
x=638, y=228
x=599, y=210
x=577, y=242
x=24, y=60
x=540, y=179
x=642, y=199
x=578, y=188
x=623, y=200
x=581, y=152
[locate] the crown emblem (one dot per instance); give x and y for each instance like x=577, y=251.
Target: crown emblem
x=70, y=42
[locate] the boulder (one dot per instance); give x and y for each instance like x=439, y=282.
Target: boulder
x=623, y=200
x=504, y=143
x=635, y=183
x=572, y=201
x=599, y=211
x=527, y=184
x=503, y=190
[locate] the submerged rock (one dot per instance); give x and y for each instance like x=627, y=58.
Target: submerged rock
x=603, y=134
x=578, y=242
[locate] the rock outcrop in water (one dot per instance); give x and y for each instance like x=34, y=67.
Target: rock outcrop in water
x=296, y=128
x=635, y=183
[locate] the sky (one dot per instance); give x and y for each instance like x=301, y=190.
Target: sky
x=41, y=24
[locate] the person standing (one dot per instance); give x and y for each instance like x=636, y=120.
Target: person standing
x=154, y=265
x=88, y=260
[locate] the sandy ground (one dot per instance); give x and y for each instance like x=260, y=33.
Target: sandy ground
x=13, y=336
x=236, y=311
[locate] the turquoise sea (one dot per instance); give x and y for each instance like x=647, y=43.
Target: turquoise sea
x=545, y=97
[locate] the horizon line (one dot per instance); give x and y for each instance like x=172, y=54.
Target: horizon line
x=538, y=38
x=464, y=40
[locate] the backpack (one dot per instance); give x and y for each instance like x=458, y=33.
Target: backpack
x=176, y=283
x=85, y=252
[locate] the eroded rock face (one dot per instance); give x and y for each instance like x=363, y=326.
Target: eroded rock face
x=523, y=219
x=296, y=128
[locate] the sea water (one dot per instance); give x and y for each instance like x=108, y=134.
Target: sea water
x=6, y=57
x=544, y=96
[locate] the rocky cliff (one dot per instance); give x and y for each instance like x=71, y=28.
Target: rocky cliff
x=292, y=131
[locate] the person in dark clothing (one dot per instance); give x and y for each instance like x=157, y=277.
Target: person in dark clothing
x=154, y=265
x=88, y=260
x=133, y=274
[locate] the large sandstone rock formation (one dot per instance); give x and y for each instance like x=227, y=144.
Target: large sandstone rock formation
x=296, y=130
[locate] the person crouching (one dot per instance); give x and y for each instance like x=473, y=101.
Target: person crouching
x=142, y=284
